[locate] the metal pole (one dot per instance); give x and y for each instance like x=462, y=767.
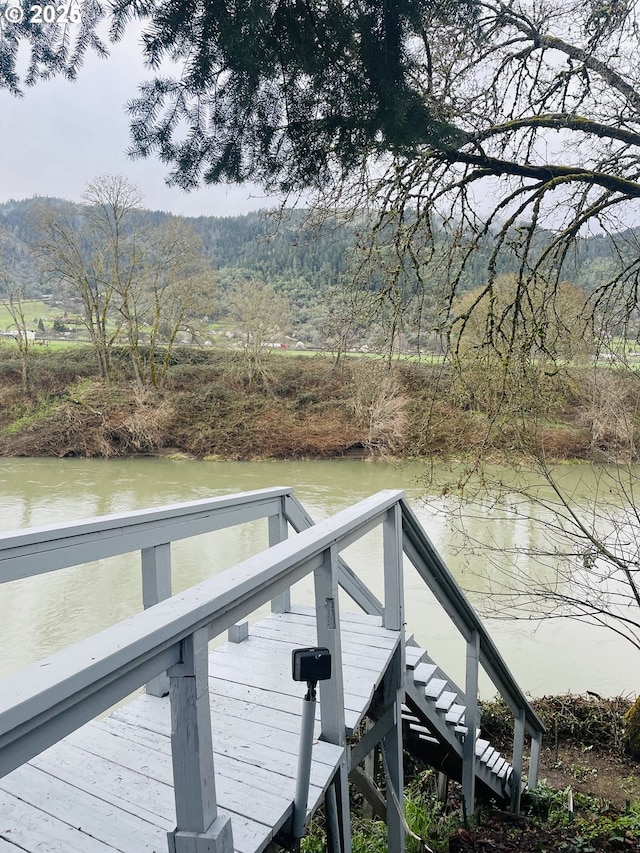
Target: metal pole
x=304, y=762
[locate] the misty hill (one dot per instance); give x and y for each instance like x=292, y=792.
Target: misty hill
x=302, y=262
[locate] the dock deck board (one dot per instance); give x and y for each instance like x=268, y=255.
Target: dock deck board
x=109, y=785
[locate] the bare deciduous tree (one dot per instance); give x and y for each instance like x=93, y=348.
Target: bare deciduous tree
x=91, y=253
x=261, y=316
x=132, y=279
x=13, y=300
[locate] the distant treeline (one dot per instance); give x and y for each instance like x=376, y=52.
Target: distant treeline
x=305, y=262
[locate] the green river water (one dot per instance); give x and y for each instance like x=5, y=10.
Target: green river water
x=41, y=615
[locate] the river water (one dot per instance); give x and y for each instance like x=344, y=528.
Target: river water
x=41, y=615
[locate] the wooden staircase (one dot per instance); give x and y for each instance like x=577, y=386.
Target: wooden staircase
x=434, y=723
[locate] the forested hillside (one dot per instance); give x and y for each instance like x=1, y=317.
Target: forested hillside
x=306, y=263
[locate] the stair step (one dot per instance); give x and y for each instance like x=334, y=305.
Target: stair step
x=455, y=714
x=445, y=700
x=434, y=688
x=500, y=763
x=413, y=655
x=419, y=729
x=494, y=761
x=433, y=721
x=423, y=672
x=428, y=738
x=481, y=747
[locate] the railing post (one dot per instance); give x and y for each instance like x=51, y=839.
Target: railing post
x=534, y=759
x=332, y=722
x=278, y=533
x=516, y=773
x=328, y=628
x=199, y=828
x=471, y=722
x=156, y=586
x=392, y=751
x=393, y=617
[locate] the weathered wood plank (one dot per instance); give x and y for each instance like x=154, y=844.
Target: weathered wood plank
x=277, y=677
x=224, y=727
x=33, y=830
x=413, y=656
x=127, y=789
x=264, y=649
x=351, y=632
x=345, y=615
x=69, y=804
x=232, y=706
x=260, y=779
x=150, y=795
x=356, y=623
x=156, y=763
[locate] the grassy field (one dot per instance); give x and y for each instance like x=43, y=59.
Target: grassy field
x=33, y=311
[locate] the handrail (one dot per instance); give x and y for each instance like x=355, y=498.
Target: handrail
x=43, y=703
x=87, y=678
x=57, y=546
x=481, y=650
x=450, y=596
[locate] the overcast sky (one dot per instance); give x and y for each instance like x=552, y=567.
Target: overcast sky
x=61, y=135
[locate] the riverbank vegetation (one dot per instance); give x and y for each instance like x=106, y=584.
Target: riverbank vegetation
x=588, y=799
x=215, y=404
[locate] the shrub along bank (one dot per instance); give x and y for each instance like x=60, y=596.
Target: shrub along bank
x=307, y=407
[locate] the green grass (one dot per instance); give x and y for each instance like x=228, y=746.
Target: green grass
x=27, y=418
x=33, y=309
x=424, y=815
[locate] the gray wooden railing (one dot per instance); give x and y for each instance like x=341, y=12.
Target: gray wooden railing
x=43, y=703
x=40, y=705
x=481, y=651
x=38, y=550
x=480, y=648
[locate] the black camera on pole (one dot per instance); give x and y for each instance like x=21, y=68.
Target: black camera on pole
x=311, y=665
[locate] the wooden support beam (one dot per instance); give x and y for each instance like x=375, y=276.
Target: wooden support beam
x=199, y=828
x=372, y=737
x=516, y=773
x=471, y=719
x=370, y=791
x=328, y=628
x=278, y=532
x=156, y=587
x=392, y=752
x=393, y=617
x=534, y=759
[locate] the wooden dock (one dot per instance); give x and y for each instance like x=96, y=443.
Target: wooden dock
x=109, y=785
x=212, y=767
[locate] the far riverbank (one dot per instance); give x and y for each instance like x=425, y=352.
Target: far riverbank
x=307, y=408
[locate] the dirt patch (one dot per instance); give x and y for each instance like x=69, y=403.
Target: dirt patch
x=611, y=777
